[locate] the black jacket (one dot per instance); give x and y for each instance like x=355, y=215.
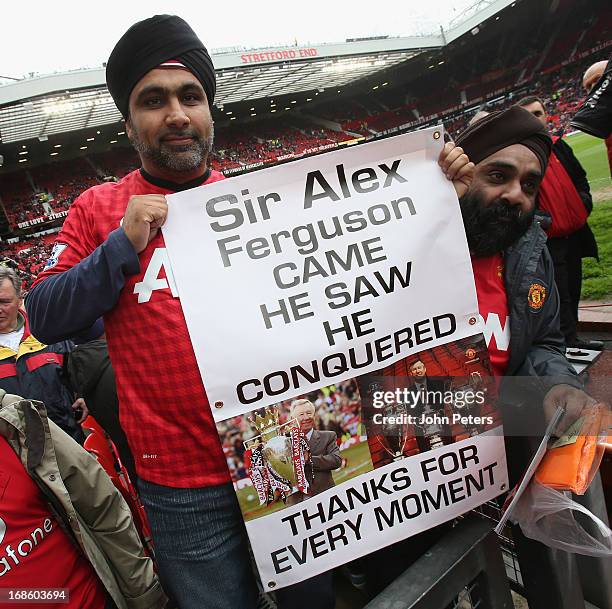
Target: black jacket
x=537, y=347
x=90, y=372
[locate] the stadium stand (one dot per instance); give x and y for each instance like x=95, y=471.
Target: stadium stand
x=545, y=57
x=115, y=163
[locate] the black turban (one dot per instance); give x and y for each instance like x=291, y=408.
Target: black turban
x=149, y=43
x=504, y=128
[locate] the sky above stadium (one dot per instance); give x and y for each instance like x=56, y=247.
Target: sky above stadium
x=45, y=37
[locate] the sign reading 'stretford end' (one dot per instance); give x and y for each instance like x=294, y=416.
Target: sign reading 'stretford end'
x=320, y=270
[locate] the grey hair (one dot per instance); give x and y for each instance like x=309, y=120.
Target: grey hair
x=11, y=275
x=296, y=403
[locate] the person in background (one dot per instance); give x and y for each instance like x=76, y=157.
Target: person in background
x=589, y=80
x=565, y=195
x=31, y=368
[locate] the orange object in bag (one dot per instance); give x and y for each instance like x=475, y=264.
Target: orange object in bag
x=571, y=462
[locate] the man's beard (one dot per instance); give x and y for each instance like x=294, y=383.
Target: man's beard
x=184, y=158
x=494, y=227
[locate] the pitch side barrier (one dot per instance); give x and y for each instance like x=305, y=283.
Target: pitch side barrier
x=465, y=566
x=466, y=569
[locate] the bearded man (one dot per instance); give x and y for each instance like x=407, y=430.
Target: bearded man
x=513, y=270
x=110, y=259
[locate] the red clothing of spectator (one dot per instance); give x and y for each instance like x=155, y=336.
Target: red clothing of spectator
x=493, y=307
x=34, y=551
x=608, y=141
x=163, y=407
x=559, y=197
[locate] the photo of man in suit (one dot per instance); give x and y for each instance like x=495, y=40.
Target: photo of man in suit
x=324, y=452
x=429, y=402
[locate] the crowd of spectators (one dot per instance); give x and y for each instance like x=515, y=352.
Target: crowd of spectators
x=28, y=256
x=116, y=163
x=264, y=142
x=46, y=190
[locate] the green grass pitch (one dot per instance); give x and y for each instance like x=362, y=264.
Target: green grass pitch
x=597, y=276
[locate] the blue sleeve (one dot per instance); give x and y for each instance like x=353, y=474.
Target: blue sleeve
x=70, y=302
x=89, y=334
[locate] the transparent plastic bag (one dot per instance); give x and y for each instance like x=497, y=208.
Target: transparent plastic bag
x=546, y=515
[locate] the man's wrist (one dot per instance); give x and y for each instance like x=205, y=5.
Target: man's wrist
x=120, y=244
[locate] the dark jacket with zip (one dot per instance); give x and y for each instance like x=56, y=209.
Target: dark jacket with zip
x=90, y=372
x=537, y=347
x=36, y=372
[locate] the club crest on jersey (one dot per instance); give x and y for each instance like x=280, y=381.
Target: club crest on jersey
x=56, y=252
x=536, y=296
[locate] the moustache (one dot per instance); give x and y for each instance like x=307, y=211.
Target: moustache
x=188, y=133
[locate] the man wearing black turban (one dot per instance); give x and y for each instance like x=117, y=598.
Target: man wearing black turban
x=152, y=55
x=149, y=44
x=111, y=260
x=517, y=297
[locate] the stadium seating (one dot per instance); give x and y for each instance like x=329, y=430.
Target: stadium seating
x=28, y=256
x=99, y=444
x=116, y=163
x=549, y=66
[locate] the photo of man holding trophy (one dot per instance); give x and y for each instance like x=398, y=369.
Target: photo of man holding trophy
x=277, y=457
x=288, y=452
x=323, y=450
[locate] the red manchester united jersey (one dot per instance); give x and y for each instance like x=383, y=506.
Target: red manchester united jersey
x=493, y=307
x=164, y=410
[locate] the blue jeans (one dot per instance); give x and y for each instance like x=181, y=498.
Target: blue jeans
x=200, y=546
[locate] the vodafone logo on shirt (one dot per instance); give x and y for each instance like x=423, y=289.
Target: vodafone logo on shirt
x=12, y=555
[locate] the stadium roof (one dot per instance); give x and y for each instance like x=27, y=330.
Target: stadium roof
x=71, y=101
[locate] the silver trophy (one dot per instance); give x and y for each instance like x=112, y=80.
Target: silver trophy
x=396, y=429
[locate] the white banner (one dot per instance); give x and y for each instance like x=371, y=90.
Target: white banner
x=320, y=270
x=344, y=280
